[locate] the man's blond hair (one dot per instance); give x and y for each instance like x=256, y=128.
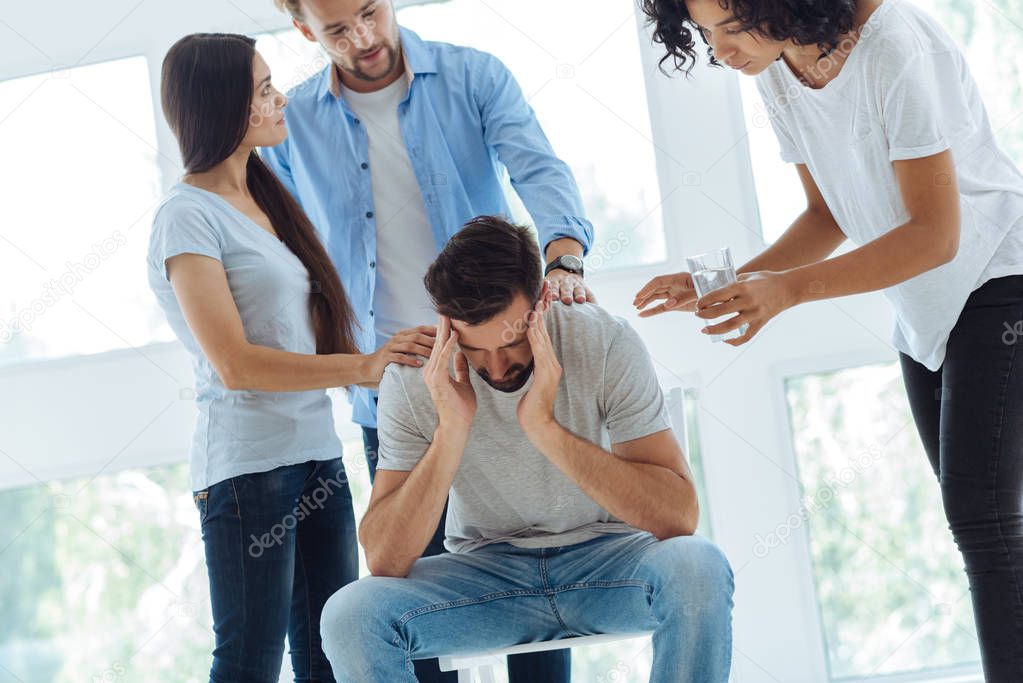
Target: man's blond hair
x=290, y=6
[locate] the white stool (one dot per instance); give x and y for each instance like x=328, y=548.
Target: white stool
x=482, y=663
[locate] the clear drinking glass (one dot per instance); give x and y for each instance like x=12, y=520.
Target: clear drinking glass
x=711, y=271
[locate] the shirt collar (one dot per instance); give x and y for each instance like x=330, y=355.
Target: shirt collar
x=418, y=58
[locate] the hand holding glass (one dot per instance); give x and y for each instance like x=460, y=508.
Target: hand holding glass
x=712, y=271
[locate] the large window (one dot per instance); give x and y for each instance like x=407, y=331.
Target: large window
x=292, y=59
x=987, y=31
x=80, y=184
x=102, y=579
x=575, y=72
x=892, y=592
x=780, y=197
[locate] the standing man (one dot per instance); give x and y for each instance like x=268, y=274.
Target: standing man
x=392, y=148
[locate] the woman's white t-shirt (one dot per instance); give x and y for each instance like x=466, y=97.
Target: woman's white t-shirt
x=905, y=92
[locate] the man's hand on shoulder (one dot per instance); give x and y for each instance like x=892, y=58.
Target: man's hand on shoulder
x=567, y=286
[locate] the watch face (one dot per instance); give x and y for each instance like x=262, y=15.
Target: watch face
x=573, y=262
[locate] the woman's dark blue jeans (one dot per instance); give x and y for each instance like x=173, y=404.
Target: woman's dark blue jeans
x=554, y=666
x=278, y=545
x=970, y=417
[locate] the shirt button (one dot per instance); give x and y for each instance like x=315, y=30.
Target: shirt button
x=371, y=314
x=369, y=214
x=364, y=166
x=357, y=121
x=372, y=264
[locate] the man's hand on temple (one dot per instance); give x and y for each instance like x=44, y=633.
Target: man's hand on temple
x=453, y=398
x=536, y=408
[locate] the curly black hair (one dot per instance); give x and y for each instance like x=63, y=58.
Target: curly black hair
x=805, y=22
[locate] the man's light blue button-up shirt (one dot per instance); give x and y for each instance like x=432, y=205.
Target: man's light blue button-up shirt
x=463, y=119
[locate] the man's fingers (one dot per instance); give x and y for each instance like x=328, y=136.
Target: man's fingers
x=537, y=325
x=449, y=348
x=461, y=368
x=443, y=332
x=556, y=291
x=546, y=291
x=437, y=352
x=568, y=289
x=533, y=333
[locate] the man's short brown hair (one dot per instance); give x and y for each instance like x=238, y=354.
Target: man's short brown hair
x=482, y=268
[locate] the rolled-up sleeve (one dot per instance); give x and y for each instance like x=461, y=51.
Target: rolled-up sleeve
x=926, y=110
x=543, y=181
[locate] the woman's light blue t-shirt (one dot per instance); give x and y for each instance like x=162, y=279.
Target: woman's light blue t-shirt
x=242, y=432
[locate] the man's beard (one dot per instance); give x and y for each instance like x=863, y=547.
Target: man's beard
x=517, y=381
x=392, y=59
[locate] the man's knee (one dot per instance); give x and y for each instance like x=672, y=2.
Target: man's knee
x=352, y=614
x=696, y=574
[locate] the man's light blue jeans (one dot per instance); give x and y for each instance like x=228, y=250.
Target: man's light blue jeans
x=500, y=595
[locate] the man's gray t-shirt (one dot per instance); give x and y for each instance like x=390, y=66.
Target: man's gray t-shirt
x=505, y=489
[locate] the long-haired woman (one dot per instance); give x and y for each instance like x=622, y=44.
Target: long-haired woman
x=249, y=290
x=875, y=105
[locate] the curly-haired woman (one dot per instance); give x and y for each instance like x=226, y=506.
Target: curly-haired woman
x=876, y=106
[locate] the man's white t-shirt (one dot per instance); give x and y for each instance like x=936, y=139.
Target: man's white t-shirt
x=405, y=243
x=905, y=92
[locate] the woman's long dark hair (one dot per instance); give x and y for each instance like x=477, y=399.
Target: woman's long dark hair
x=805, y=22
x=206, y=90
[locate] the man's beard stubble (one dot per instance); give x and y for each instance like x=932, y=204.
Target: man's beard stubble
x=522, y=375
x=354, y=70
